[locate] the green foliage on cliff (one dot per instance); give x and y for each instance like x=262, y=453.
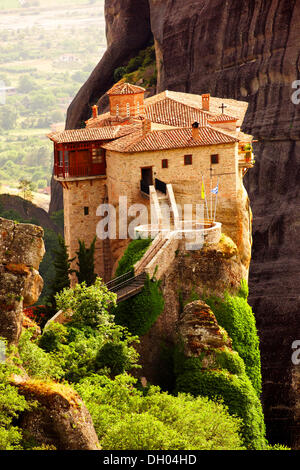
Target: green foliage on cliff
x=133, y=253
x=141, y=68
x=235, y=315
x=124, y=418
x=11, y=405
x=231, y=385
x=139, y=313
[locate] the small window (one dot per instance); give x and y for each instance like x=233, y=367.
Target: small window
x=138, y=107
x=98, y=155
x=128, y=109
x=188, y=159
x=164, y=163
x=214, y=159
x=86, y=210
x=117, y=110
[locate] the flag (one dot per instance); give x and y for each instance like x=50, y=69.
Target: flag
x=216, y=189
x=202, y=191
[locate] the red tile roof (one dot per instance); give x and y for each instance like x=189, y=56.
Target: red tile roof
x=125, y=89
x=169, y=139
x=174, y=113
x=91, y=134
x=221, y=118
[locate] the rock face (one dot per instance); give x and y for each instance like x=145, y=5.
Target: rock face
x=21, y=251
x=250, y=51
x=200, y=331
x=192, y=274
x=61, y=419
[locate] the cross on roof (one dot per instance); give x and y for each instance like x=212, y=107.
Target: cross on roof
x=223, y=107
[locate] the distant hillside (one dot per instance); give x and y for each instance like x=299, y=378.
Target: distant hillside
x=28, y=212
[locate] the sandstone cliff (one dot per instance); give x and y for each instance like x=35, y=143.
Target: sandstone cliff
x=242, y=50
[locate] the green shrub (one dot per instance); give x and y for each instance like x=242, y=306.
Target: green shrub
x=11, y=405
x=134, y=252
x=89, y=305
x=139, y=313
x=35, y=360
x=126, y=419
x=235, y=315
x=113, y=356
x=83, y=352
x=234, y=389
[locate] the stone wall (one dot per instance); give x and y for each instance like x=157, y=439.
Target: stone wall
x=78, y=195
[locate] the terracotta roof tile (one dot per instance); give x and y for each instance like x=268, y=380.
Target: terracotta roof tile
x=173, y=113
x=91, y=134
x=125, y=89
x=168, y=139
x=222, y=118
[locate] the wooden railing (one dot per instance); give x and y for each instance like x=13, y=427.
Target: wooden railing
x=77, y=171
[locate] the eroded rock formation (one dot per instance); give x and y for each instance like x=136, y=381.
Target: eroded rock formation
x=21, y=251
x=61, y=419
x=200, y=332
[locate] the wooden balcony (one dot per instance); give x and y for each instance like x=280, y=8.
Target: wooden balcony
x=78, y=171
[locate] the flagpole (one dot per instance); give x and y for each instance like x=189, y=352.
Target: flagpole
x=216, y=201
x=205, y=198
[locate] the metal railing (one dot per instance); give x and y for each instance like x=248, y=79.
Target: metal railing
x=119, y=280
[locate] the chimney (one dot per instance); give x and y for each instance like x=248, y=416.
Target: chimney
x=146, y=126
x=205, y=102
x=95, y=111
x=195, y=130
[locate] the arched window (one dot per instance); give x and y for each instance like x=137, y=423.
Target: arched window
x=128, y=109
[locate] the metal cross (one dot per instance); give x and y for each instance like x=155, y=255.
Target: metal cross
x=223, y=107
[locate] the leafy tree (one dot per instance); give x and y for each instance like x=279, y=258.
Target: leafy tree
x=89, y=304
x=86, y=263
x=26, y=188
x=126, y=419
x=11, y=405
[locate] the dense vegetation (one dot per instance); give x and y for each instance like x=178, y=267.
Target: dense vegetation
x=95, y=355
x=226, y=381
x=140, y=69
x=235, y=315
x=133, y=253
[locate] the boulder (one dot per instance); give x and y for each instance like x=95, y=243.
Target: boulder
x=21, y=251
